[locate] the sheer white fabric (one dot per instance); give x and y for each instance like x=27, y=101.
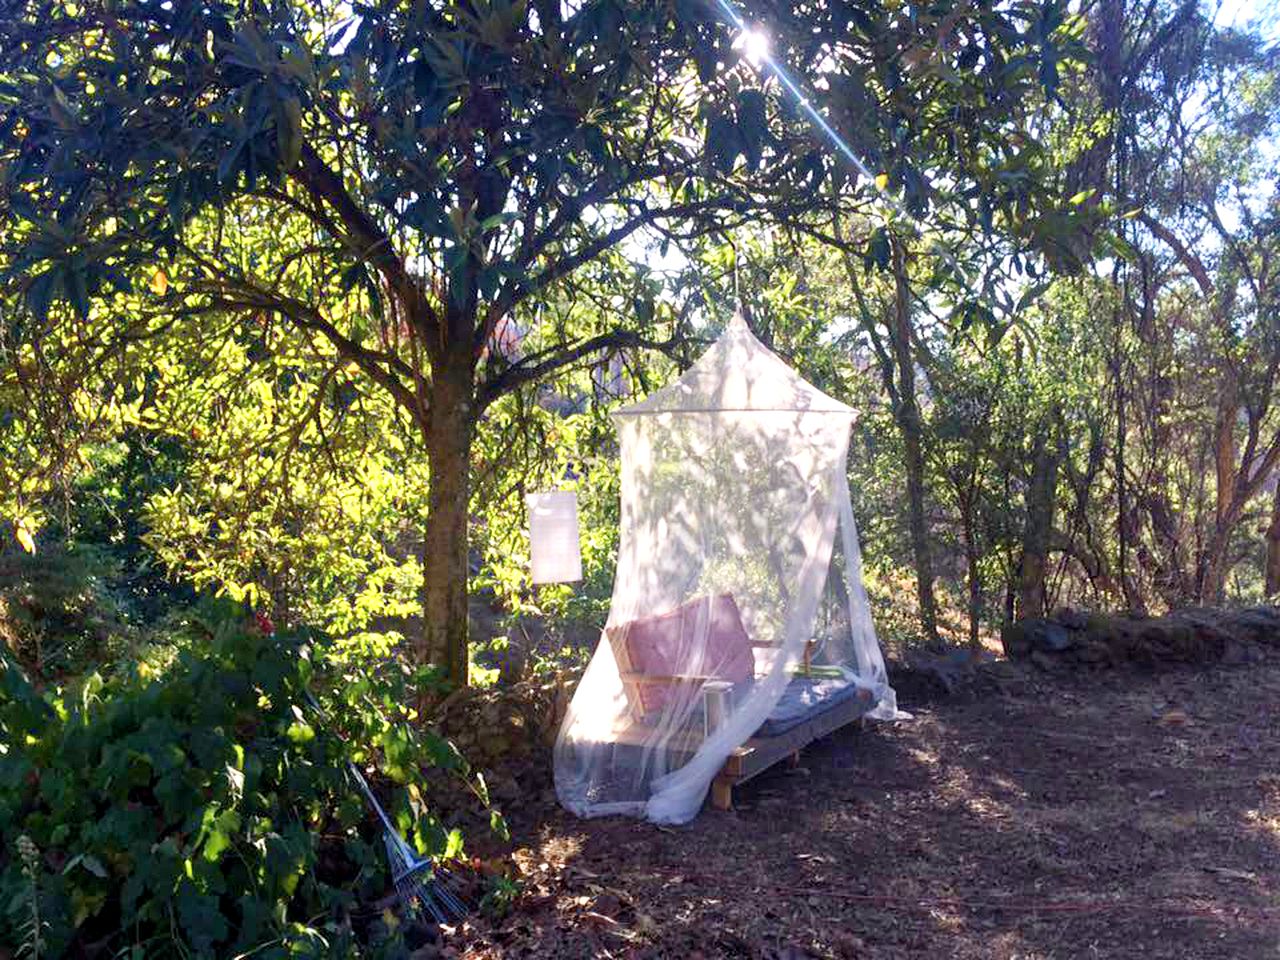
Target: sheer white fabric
x=738, y=569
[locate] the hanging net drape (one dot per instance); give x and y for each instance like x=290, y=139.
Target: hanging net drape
x=738, y=602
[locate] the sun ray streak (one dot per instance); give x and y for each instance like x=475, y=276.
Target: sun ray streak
x=756, y=49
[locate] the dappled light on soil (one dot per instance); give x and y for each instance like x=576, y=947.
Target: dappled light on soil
x=1052, y=818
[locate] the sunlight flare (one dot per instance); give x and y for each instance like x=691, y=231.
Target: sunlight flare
x=752, y=45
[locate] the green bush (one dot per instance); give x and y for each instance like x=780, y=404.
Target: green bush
x=58, y=612
x=200, y=807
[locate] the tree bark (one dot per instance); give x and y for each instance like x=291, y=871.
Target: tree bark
x=907, y=413
x=1132, y=596
x=448, y=438
x=1273, y=548
x=1213, y=583
x=972, y=558
x=1226, y=501
x=1037, y=534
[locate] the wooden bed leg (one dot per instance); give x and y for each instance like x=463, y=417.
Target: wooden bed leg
x=721, y=794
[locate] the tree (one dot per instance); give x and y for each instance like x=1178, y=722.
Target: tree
x=414, y=173
x=1199, y=106
x=417, y=174
x=970, y=203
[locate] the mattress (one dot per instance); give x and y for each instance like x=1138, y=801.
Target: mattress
x=804, y=699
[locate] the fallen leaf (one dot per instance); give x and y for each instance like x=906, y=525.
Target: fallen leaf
x=815, y=857
x=1230, y=873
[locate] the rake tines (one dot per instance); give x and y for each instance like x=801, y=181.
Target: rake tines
x=421, y=885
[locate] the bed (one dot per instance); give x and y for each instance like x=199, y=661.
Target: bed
x=817, y=700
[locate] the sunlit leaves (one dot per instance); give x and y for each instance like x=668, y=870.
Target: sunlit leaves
x=25, y=535
x=197, y=800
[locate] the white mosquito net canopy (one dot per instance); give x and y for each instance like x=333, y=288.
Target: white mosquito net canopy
x=738, y=593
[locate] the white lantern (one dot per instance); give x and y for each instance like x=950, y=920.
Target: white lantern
x=554, y=549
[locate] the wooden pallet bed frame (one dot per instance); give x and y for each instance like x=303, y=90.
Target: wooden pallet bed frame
x=755, y=755
x=760, y=753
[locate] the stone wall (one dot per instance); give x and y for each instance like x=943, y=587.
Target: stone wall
x=1192, y=635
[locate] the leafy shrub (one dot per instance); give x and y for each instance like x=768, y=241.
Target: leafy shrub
x=58, y=613
x=201, y=808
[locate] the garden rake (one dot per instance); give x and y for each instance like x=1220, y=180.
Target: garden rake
x=421, y=884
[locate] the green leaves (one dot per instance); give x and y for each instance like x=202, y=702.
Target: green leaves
x=722, y=143
x=197, y=804
x=743, y=134
x=288, y=117
x=216, y=829
x=752, y=126
x=878, y=250
x=202, y=921
x=72, y=279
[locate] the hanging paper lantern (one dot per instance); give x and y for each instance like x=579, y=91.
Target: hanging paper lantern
x=555, y=552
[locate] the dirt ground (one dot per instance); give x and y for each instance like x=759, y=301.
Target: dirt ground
x=1110, y=815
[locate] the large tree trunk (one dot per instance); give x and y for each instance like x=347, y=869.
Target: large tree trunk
x=1213, y=582
x=907, y=413
x=1273, y=548
x=1038, y=532
x=972, y=559
x=1215, y=567
x=450, y=430
x=1224, y=451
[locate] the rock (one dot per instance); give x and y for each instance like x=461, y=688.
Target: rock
x=1260, y=624
x=1092, y=651
x=1236, y=653
x=1097, y=623
x=1035, y=633
x=932, y=675
x=1015, y=640
x=1052, y=637
x=1047, y=662
x=1156, y=640
x=1071, y=618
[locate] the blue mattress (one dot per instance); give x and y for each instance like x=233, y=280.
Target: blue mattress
x=804, y=699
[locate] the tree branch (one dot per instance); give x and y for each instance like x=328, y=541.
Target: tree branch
x=379, y=366
x=520, y=291
x=1185, y=256
x=372, y=244
x=542, y=364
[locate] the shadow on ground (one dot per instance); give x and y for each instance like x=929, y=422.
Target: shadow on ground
x=1116, y=815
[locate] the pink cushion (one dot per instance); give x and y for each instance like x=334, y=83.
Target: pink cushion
x=668, y=644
